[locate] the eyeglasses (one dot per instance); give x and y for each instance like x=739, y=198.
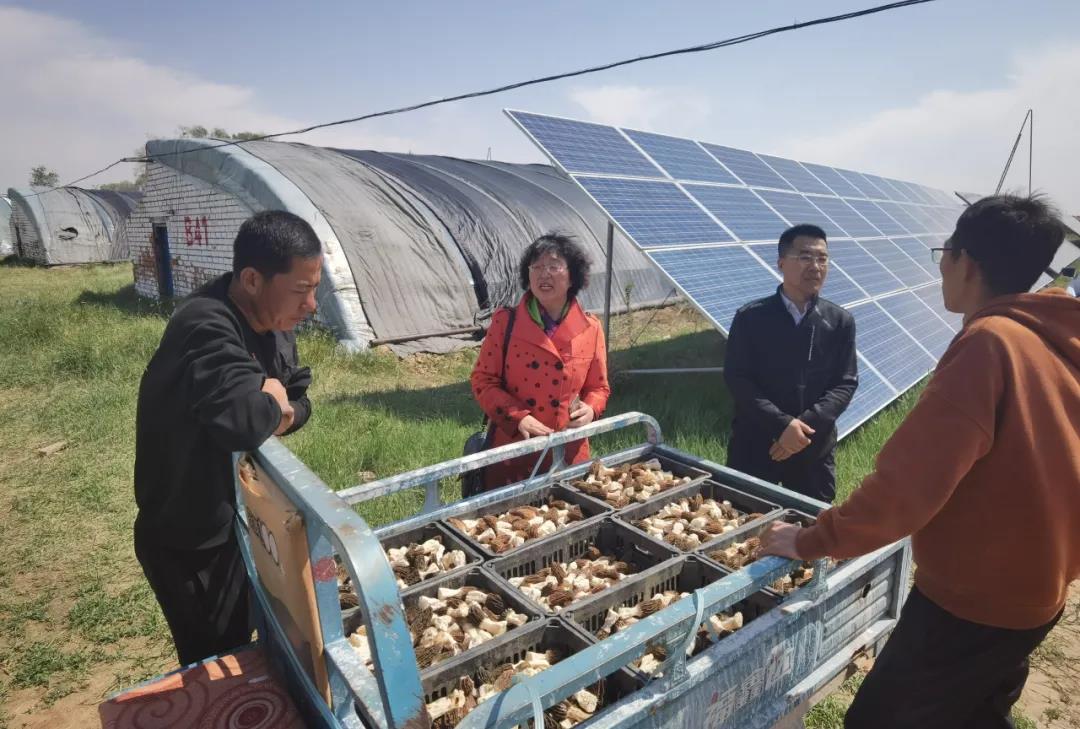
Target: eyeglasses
x=553, y=269
x=936, y=254
x=805, y=259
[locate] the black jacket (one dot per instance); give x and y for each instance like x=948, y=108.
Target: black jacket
x=200, y=399
x=777, y=370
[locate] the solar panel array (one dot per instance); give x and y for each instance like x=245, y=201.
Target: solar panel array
x=709, y=216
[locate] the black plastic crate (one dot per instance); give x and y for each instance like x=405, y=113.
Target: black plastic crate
x=789, y=516
x=475, y=577
x=551, y=634
x=677, y=468
x=607, y=535
x=742, y=502
x=449, y=539
x=685, y=574
x=590, y=509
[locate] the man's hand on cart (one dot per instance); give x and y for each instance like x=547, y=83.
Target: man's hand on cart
x=779, y=539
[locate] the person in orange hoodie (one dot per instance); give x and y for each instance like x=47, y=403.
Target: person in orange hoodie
x=984, y=474
x=553, y=374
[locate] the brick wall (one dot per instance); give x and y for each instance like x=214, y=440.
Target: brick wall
x=202, y=223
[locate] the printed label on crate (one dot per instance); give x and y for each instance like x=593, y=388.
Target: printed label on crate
x=762, y=680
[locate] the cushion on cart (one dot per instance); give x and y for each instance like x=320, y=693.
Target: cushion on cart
x=228, y=692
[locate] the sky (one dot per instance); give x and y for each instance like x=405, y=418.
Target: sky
x=933, y=93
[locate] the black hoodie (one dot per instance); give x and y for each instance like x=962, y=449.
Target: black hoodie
x=200, y=399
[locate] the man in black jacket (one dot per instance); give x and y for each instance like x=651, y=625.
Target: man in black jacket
x=224, y=378
x=791, y=368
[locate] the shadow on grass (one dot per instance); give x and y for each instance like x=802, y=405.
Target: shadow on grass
x=694, y=406
x=127, y=301
x=19, y=262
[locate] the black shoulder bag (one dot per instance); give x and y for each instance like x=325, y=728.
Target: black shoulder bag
x=472, y=483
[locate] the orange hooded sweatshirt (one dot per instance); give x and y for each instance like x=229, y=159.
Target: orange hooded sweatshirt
x=984, y=473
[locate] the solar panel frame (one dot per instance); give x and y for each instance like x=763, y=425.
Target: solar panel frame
x=931, y=296
x=890, y=192
x=600, y=149
x=845, y=217
x=744, y=214
x=666, y=216
x=919, y=320
x=897, y=262
x=681, y=159
x=796, y=208
x=868, y=189
x=918, y=252
x=691, y=269
x=895, y=211
x=871, y=396
x=796, y=175
x=862, y=267
x=833, y=180
x=707, y=247
x=893, y=352
x=878, y=217
x=747, y=167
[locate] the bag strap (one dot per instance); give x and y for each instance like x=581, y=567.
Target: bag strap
x=506, y=346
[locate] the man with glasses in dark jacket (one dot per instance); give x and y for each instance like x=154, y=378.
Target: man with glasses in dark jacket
x=791, y=368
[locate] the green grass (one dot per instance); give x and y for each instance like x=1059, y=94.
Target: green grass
x=73, y=344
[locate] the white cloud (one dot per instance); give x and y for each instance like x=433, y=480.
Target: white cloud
x=671, y=110
x=960, y=140
x=75, y=101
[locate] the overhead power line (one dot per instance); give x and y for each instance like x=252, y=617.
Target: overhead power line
x=728, y=42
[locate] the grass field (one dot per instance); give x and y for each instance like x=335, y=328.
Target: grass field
x=77, y=619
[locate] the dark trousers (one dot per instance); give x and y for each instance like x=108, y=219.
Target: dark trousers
x=203, y=594
x=814, y=477
x=938, y=670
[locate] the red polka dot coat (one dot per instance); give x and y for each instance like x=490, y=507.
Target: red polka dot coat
x=543, y=376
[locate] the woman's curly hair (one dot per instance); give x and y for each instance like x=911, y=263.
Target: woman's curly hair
x=577, y=261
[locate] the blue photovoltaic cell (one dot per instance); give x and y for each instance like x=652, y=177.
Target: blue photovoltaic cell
x=925, y=216
x=919, y=320
x=796, y=174
x=890, y=192
x=747, y=167
x=867, y=188
x=682, y=158
x=897, y=262
x=837, y=184
x=872, y=395
x=934, y=240
x=740, y=210
x=920, y=195
x=946, y=218
x=653, y=213
x=931, y=296
x=863, y=268
x=838, y=288
x=584, y=147
x=719, y=280
x=918, y=252
x=905, y=192
x=853, y=224
x=878, y=217
x=900, y=215
x=889, y=348
x=797, y=209
x=895, y=221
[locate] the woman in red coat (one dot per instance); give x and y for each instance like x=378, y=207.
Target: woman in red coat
x=556, y=363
